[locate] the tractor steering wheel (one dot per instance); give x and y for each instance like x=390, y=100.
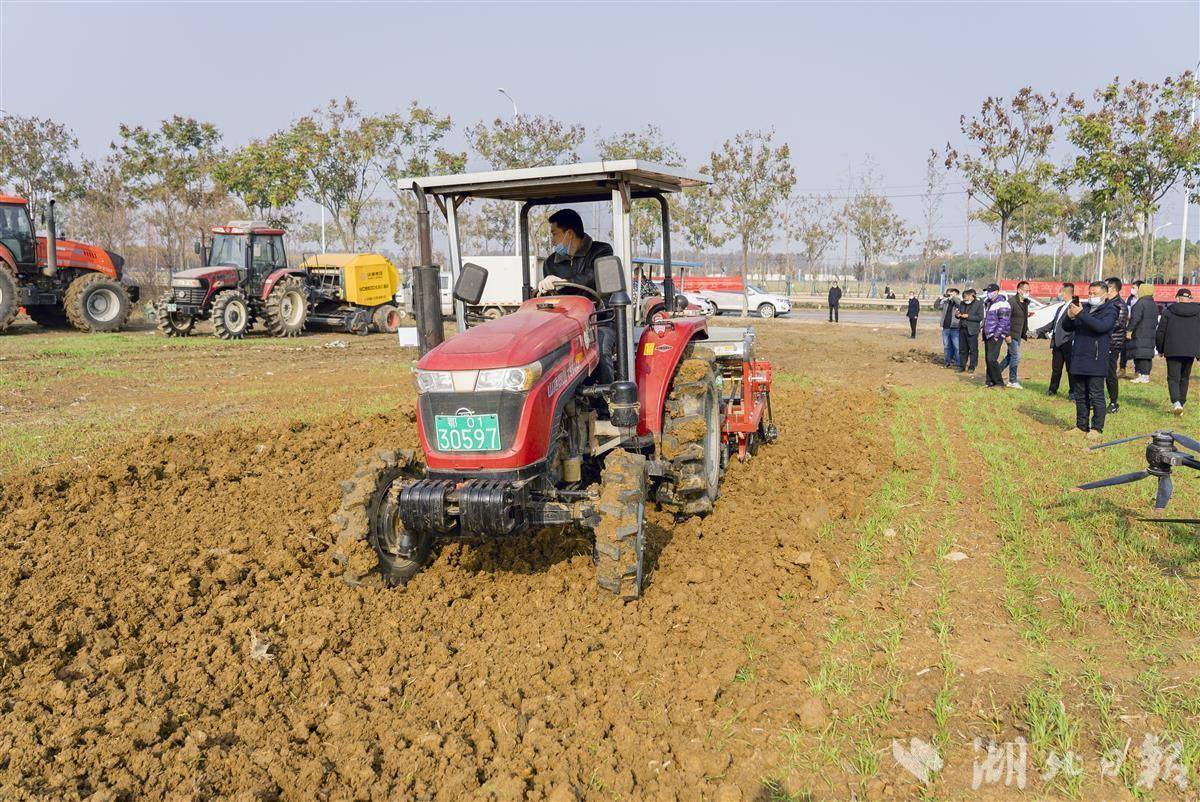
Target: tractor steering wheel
x=583, y=287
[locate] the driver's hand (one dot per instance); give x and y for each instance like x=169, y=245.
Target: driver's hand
x=549, y=284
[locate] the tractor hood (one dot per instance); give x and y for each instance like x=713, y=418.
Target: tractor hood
x=533, y=331
x=212, y=274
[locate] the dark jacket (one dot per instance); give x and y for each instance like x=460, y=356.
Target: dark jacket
x=1118, y=332
x=835, y=296
x=974, y=316
x=1018, y=326
x=1143, y=324
x=914, y=307
x=1179, y=330
x=579, y=268
x=1093, y=332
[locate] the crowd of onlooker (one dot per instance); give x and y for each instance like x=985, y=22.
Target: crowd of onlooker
x=1093, y=337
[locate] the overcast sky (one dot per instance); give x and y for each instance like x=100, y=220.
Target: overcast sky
x=836, y=81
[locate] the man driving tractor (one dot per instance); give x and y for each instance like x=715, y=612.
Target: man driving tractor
x=573, y=261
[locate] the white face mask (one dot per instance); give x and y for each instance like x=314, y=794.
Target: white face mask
x=1094, y=301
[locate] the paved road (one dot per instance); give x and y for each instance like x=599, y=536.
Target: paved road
x=865, y=316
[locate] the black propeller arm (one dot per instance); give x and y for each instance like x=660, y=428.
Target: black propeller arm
x=1123, y=479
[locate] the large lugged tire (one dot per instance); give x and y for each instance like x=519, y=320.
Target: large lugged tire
x=368, y=511
x=96, y=303
x=8, y=297
x=619, y=534
x=49, y=317
x=172, y=324
x=386, y=319
x=286, y=307
x=231, y=315
x=691, y=438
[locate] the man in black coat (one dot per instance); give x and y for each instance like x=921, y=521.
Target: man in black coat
x=1060, y=342
x=1139, y=336
x=1130, y=302
x=1116, y=341
x=1178, y=339
x=948, y=305
x=914, y=309
x=835, y=299
x=1093, y=327
x=574, y=261
x=970, y=318
x=1018, y=332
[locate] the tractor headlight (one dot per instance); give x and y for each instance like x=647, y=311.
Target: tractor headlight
x=514, y=380
x=186, y=282
x=434, y=381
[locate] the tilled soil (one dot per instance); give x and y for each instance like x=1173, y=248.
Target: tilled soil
x=175, y=627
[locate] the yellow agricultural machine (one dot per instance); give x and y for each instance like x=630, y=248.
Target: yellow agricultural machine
x=353, y=292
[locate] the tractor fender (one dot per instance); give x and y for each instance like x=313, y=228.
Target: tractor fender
x=657, y=354
x=7, y=259
x=275, y=277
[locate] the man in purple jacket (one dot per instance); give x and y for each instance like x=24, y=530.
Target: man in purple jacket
x=997, y=322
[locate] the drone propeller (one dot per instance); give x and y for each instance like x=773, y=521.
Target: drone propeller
x=1193, y=521
x=1164, y=492
x=1119, y=442
x=1186, y=441
x=1123, y=479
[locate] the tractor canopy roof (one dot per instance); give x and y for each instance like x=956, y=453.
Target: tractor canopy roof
x=566, y=183
x=247, y=227
x=9, y=200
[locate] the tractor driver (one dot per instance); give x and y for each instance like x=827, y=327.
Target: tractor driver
x=574, y=261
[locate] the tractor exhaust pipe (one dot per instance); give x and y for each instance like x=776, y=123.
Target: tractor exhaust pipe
x=427, y=295
x=51, y=268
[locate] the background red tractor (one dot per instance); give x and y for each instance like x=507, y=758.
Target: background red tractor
x=245, y=278
x=517, y=426
x=67, y=282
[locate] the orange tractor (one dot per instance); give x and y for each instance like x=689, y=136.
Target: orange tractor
x=67, y=282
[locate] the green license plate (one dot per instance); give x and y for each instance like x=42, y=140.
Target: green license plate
x=172, y=307
x=467, y=432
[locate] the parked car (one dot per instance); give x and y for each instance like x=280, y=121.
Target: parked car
x=1040, y=313
x=759, y=301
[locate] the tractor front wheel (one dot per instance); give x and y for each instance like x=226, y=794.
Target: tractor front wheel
x=231, y=315
x=286, y=307
x=94, y=302
x=620, y=532
x=8, y=297
x=172, y=324
x=692, y=437
x=368, y=511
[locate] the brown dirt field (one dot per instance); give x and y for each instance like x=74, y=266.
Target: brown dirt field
x=175, y=626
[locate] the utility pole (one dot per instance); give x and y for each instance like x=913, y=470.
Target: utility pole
x=845, y=225
x=969, y=193
x=322, y=229
x=1103, y=237
x=1183, y=227
x=516, y=205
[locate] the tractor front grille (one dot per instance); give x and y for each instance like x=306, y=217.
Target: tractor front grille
x=192, y=296
x=505, y=406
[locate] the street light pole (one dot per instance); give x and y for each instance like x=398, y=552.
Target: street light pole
x=1153, y=237
x=1186, y=191
x=516, y=205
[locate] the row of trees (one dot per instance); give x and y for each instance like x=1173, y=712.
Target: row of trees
x=1128, y=147
x=159, y=188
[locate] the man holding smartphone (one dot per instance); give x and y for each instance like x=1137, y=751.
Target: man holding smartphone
x=1092, y=325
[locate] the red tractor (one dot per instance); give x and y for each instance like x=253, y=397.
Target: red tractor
x=245, y=278
x=518, y=428
x=69, y=282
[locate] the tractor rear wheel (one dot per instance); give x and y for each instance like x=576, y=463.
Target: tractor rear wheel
x=691, y=437
x=94, y=302
x=8, y=297
x=172, y=324
x=386, y=319
x=231, y=315
x=286, y=307
x=50, y=317
x=368, y=511
x=620, y=533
